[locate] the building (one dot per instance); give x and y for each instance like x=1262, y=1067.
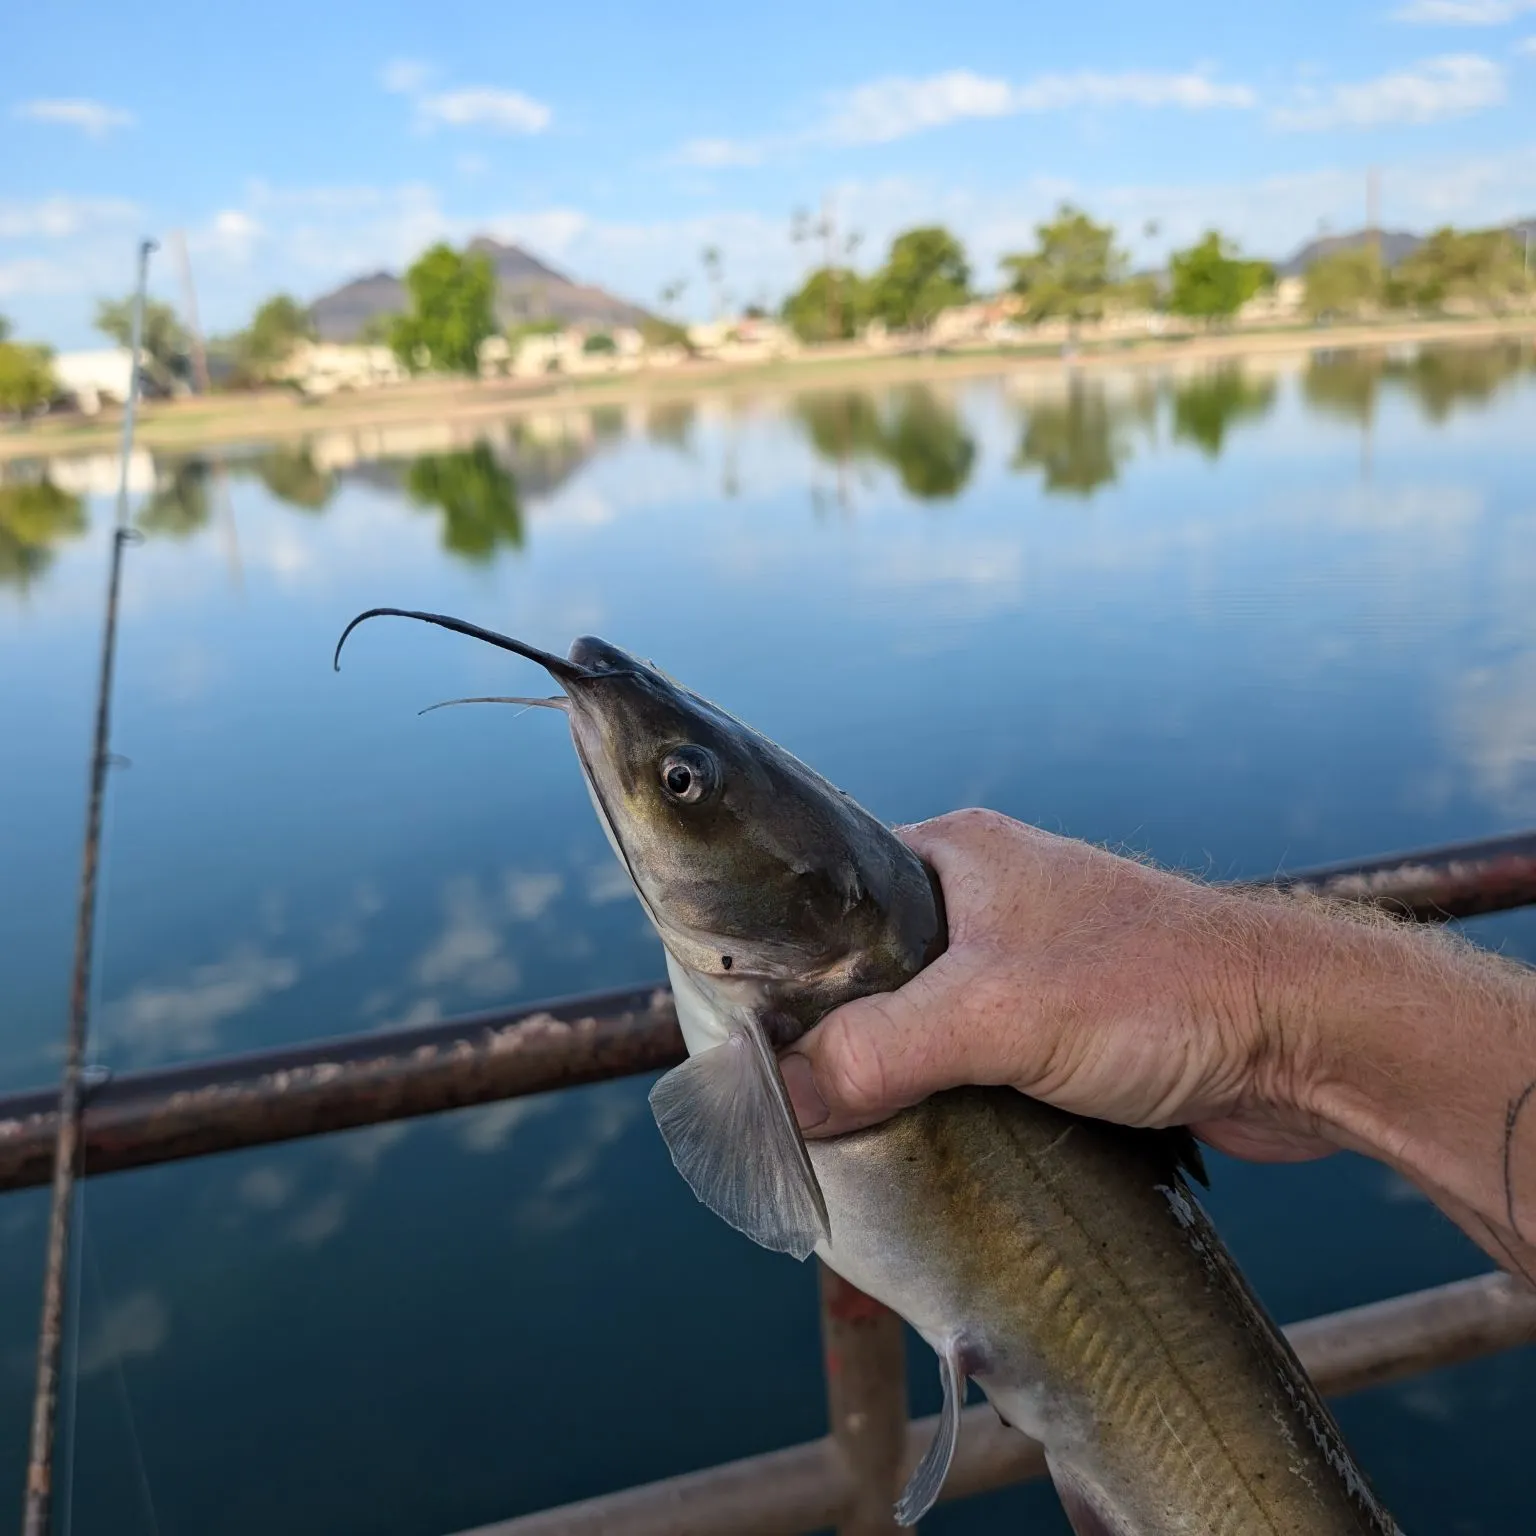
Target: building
x=96, y=378
x=323, y=367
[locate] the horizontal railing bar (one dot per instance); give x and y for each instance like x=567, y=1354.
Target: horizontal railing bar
x=1433, y=884
x=347, y=1082
x=806, y=1487
x=339, y=1084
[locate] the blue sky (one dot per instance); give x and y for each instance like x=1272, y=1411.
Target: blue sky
x=299, y=146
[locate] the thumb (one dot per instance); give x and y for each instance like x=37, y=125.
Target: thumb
x=869, y=1058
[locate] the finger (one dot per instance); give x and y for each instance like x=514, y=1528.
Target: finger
x=871, y=1057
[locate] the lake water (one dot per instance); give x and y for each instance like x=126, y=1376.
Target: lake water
x=1235, y=618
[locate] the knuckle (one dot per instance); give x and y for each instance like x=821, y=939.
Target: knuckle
x=852, y=1066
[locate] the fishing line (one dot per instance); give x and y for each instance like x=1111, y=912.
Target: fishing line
x=141, y=1467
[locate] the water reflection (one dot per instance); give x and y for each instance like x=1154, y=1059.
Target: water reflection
x=1208, y=405
x=477, y=497
x=911, y=431
x=293, y=477
x=181, y=504
x=1439, y=379
x=670, y=423
x=1080, y=440
x=33, y=520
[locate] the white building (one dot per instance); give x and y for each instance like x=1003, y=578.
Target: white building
x=746, y=339
x=323, y=367
x=95, y=378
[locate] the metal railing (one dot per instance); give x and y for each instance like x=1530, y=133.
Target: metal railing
x=849, y=1478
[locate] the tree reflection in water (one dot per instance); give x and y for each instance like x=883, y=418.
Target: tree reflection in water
x=1438, y=378
x=1208, y=405
x=477, y=497
x=1079, y=440
x=911, y=431
x=34, y=519
x=291, y=476
x=181, y=503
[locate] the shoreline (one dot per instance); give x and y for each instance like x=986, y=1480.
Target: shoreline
x=227, y=421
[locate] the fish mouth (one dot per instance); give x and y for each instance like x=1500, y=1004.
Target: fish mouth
x=565, y=672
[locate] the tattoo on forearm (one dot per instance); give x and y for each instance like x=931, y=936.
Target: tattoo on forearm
x=1511, y=1122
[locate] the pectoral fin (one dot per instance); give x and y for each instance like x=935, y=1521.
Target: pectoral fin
x=922, y=1489
x=727, y=1122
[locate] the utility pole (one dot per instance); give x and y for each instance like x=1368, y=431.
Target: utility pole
x=189, y=294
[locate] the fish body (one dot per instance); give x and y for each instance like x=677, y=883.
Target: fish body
x=1062, y=1263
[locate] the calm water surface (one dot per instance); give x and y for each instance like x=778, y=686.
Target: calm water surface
x=1235, y=619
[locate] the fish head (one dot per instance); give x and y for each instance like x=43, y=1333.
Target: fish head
x=750, y=864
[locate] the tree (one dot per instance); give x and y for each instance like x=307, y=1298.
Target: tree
x=1210, y=281
x=925, y=272
x=275, y=330
x=452, y=312
x=1344, y=282
x=167, y=346
x=5, y=330
x=477, y=497
x=26, y=378
x=1072, y=272
x=1481, y=267
x=828, y=306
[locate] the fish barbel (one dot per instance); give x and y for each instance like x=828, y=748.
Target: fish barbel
x=1062, y=1263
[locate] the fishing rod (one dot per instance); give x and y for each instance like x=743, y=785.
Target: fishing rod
x=36, y=1518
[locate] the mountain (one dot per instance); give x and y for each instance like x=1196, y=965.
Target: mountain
x=1395, y=244
x=526, y=289
x=341, y=315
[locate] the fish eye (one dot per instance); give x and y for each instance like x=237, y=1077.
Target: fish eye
x=689, y=774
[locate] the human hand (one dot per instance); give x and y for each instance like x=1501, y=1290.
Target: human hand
x=1101, y=985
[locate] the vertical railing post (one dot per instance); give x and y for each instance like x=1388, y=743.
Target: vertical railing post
x=866, y=1365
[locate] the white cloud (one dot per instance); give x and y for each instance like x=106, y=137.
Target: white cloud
x=1526, y=45
x=93, y=118
x=716, y=154
x=529, y=895
x=61, y=217
x=322, y=1221
x=136, y=1325
x=1451, y=86
x=897, y=107
x=469, y=952
x=1463, y=13
x=481, y=106
x=157, y=1021
x=405, y=77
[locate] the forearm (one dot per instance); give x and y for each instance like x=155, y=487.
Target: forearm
x=1417, y=1049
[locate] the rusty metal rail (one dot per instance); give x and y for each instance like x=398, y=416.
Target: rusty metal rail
x=812, y=1486
x=1433, y=884
x=339, y=1084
